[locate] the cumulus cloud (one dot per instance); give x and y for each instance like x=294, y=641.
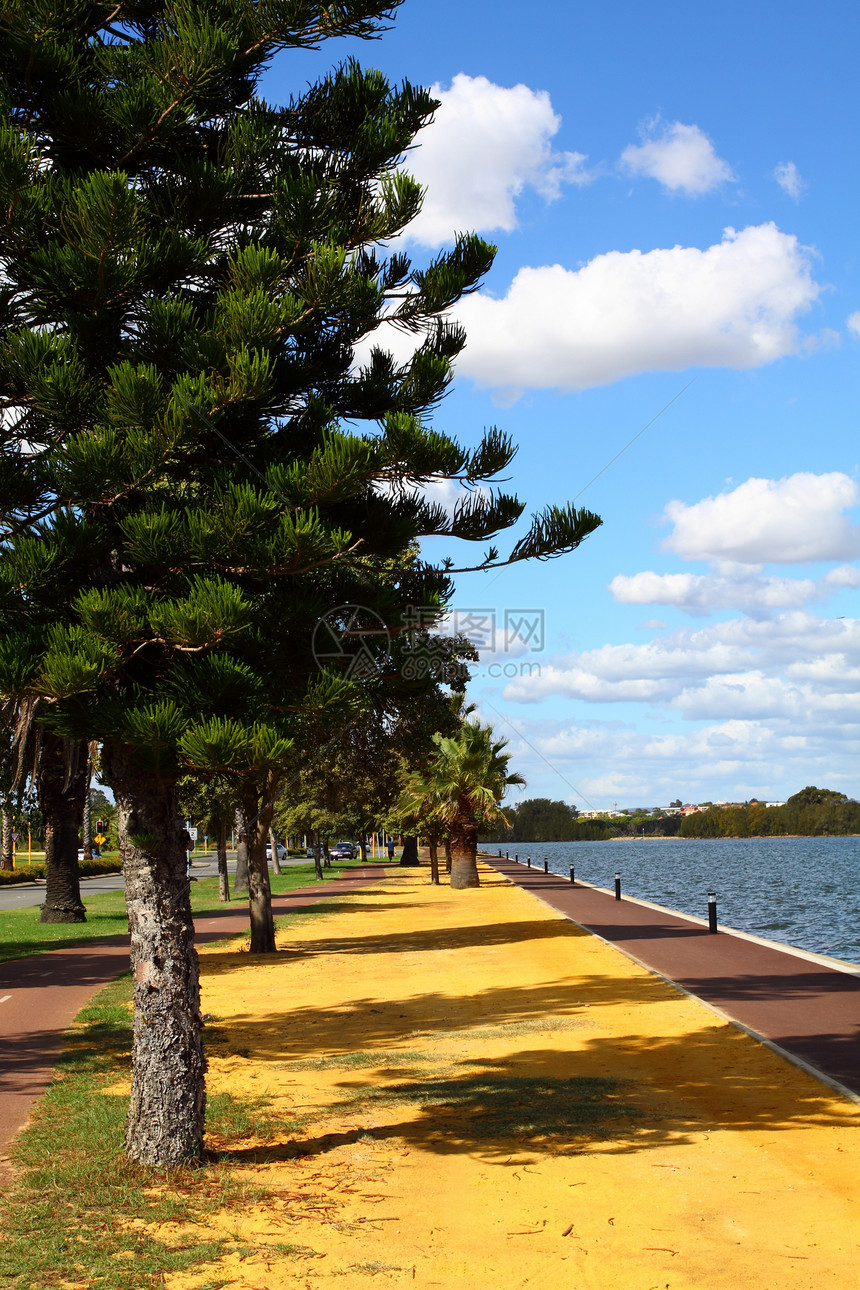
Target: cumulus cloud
x=680, y=157
x=486, y=145
x=731, y=759
x=783, y=521
x=852, y=322
x=797, y=667
x=701, y=594
x=734, y=304
x=788, y=177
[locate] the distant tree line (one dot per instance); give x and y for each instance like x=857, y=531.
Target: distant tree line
x=812, y=812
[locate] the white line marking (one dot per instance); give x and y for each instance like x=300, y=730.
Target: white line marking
x=5, y=998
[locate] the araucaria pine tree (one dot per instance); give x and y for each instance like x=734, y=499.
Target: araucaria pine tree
x=185, y=271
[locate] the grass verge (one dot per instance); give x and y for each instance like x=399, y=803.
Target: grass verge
x=21, y=933
x=82, y=1215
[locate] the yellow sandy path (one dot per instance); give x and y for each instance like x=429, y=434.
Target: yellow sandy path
x=496, y=1099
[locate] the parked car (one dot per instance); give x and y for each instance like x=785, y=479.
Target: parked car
x=342, y=851
x=282, y=851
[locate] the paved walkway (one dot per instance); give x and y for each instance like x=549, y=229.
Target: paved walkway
x=809, y=1010
x=41, y=995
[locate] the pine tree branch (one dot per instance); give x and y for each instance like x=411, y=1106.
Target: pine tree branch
x=23, y=525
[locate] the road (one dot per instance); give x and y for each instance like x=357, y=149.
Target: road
x=33, y=893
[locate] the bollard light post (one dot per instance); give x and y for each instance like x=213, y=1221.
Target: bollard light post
x=712, y=912
x=507, y=856
x=516, y=857
x=546, y=866
x=529, y=861
x=618, y=886
x=571, y=873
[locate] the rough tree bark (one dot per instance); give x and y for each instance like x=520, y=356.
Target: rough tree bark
x=168, y=1091
x=447, y=845
x=62, y=781
x=410, y=851
x=464, y=847
x=240, y=881
x=258, y=819
x=7, y=848
x=86, y=816
x=433, y=846
x=318, y=870
x=273, y=842
x=221, y=847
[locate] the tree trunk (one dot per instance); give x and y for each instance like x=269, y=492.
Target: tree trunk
x=62, y=781
x=260, y=892
x=86, y=817
x=362, y=846
x=434, y=860
x=326, y=858
x=464, y=847
x=410, y=851
x=276, y=864
x=223, y=876
x=318, y=872
x=168, y=1090
x=7, y=847
x=447, y=844
x=240, y=882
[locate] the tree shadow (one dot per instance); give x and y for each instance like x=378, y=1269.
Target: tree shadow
x=547, y=1101
x=429, y=940
x=615, y=1093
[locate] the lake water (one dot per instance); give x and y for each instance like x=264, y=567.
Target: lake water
x=801, y=891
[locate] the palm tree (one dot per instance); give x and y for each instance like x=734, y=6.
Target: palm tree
x=469, y=776
x=419, y=807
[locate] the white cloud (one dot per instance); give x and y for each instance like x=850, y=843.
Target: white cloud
x=700, y=594
x=734, y=304
x=680, y=157
x=731, y=759
x=847, y=575
x=784, y=521
x=486, y=145
x=702, y=672
x=853, y=322
x=789, y=179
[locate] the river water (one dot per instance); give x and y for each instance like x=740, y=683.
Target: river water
x=801, y=891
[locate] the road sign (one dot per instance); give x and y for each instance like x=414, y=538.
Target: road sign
x=99, y=839
x=15, y=837
x=192, y=833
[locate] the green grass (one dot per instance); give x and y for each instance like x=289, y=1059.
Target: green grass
x=75, y=1211
x=21, y=933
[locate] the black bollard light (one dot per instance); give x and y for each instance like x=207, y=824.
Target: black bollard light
x=507, y=856
x=516, y=857
x=712, y=912
x=529, y=862
x=546, y=866
x=618, y=886
x=571, y=873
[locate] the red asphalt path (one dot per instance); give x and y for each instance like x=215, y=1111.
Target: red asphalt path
x=808, y=1010
x=41, y=995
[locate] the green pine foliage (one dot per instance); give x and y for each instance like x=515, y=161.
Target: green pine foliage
x=192, y=463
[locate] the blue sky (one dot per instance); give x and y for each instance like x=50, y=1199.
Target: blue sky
x=673, y=191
